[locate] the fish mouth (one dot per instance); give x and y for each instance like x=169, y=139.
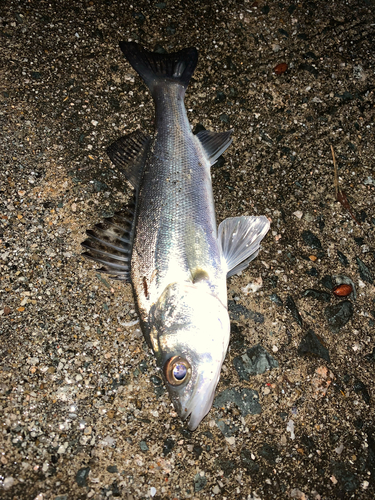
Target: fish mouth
x=200, y=402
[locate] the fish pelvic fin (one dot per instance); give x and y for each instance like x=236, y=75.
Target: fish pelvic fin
x=240, y=239
x=156, y=68
x=110, y=243
x=129, y=155
x=214, y=143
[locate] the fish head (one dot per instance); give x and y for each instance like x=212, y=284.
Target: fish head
x=190, y=337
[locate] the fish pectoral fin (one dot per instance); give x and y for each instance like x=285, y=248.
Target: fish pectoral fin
x=214, y=143
x=110, y=243
x=240, y=239
x=129, y=154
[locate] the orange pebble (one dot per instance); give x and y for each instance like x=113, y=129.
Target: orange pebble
x=280, y=68
x=342, y=290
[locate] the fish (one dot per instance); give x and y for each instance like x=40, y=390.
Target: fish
x=166, y=242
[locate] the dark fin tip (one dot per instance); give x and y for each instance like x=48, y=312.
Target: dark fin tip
x=153, y=66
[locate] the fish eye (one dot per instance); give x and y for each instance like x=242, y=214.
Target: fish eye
x=177, y=370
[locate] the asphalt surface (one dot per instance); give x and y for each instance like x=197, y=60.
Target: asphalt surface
x=84, y=413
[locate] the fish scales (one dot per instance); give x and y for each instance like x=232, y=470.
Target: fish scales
x=167, y=243
x=175, y=207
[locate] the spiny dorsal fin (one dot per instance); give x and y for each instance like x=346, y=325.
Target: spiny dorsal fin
x=129, y=155
x=240, y=239
x=214, y=143
x=110, y=244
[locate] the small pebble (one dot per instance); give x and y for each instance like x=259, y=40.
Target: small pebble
x=327, y=282
x=248, y=461
x=317, y=294
x=247, y=400
x=364, y=271
x=338, y=315
x=339, y=449
x=199, y=482
x=290, y=428
x=8, y=482
x=312, y=344
x=82, y=475
x=169, y=444
x=238, y=311
x=255, y=361
x=291, y=305
x=276, y=299
x=340, y=279
x=311, y=240
x=342, y=290
x=143, y=445
x=279, y=69
x=360, y=388
x=112, y=469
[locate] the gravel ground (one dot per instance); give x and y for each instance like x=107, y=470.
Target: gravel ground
x=84, y=413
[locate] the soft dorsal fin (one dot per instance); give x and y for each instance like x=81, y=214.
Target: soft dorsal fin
x=240, y=239
x=110, y=243
x=129, y=154
x=214, y=143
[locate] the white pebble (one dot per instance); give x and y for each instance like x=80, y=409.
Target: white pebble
x=339, y=449
x=8, y=482
x=231, y=440
x=290, y=428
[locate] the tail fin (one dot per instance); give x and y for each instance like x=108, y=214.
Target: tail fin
x=155, y=68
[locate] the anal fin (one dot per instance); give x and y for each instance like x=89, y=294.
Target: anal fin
x=240, y=239
x=110, y=244
x=129, y=155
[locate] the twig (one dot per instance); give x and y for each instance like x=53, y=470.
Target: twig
x=340, y=195
x=336, y=181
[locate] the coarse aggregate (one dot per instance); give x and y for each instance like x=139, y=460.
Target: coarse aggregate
x=84, y=413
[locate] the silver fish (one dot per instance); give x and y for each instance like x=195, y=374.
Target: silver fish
x=168, y=244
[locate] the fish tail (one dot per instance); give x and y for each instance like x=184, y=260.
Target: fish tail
x=155, y=68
